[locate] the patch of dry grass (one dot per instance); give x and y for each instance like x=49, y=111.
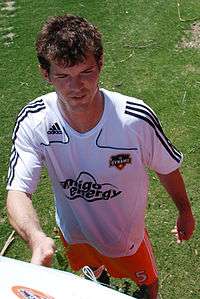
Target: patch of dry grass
x=192, y=37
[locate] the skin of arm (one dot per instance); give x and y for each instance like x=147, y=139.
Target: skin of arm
x=174, y=185
x=23, y=218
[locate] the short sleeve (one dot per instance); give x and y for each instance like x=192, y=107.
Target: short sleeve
x=158, y=153
x=25, y=160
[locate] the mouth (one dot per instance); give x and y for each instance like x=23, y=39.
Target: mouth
x=78, y=97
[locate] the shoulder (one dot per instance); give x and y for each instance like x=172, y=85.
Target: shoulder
x=34, y=113
x=132, y=110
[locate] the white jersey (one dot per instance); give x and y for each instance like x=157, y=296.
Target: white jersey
x=99, y=177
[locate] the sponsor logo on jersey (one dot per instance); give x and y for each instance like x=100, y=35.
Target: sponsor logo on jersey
x=120, y=161
x=86, y=187
x=27, y=293
x=54, y=129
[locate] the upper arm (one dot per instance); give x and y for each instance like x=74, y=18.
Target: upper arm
x=25, y=160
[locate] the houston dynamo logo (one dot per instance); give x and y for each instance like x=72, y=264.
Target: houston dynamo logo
x=86, y=187
x=120, y=161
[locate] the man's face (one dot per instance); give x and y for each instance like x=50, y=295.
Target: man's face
x=76, y=86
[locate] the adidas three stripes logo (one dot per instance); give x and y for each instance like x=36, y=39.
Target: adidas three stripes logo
x=55, y=129
x=145, y=113
x=33, y=107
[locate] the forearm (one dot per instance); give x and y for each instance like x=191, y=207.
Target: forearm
x=185, y=223
x=174, y=185
x=23, y=217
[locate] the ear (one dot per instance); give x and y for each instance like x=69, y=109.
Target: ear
x=45, y=74
x=101, y=63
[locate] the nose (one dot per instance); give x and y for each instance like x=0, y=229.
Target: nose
x=75, y=83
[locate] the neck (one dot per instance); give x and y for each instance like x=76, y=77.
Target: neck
x=85, y=119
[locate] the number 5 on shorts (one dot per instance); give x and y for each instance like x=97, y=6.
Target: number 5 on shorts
x=141, y=276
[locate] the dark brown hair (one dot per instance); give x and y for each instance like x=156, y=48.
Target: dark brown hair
x=67, y=40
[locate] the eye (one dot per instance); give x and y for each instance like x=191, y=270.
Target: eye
x=60, y=76
x=87, y=71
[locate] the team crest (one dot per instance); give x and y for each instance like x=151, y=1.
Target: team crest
x=120, y=161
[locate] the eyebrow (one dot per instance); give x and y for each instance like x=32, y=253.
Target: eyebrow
x=87, y=68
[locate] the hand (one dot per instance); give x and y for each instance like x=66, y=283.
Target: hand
x=185, y=226
x=43, y=250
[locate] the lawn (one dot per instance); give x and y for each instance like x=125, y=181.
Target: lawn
x=145, y=57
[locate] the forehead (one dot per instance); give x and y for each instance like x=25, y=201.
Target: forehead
x=89, y=61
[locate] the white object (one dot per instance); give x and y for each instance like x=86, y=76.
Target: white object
x=27, y=281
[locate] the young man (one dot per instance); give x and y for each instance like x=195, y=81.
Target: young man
x=96, y=145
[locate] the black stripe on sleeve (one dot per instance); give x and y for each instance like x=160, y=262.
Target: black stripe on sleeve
x=14, y=155
x=146, y=108
x=13, y=163
x=32, y=105
x=165, y=142
x=23, y=116
x=150, y=113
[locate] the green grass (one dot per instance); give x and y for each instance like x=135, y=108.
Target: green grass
x=142, y=59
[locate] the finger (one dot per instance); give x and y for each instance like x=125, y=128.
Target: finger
x=43, y=259
x=174, y=230
x=47, y=261
x=36, y=260
x=176, y=235
x=182, y=235
x=178, y=239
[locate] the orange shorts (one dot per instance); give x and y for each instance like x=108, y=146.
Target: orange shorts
x=140, y=267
